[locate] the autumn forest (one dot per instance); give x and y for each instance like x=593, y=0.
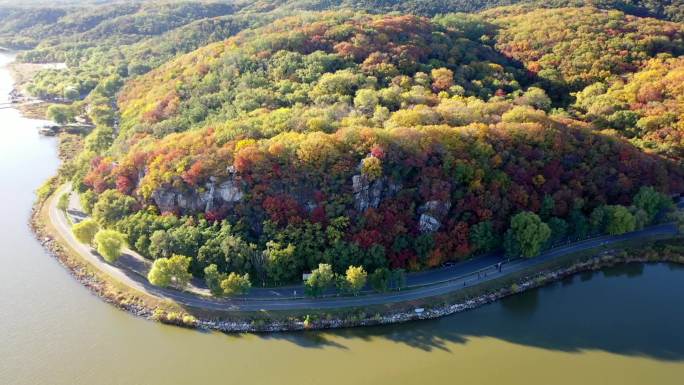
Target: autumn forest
x=263, y=139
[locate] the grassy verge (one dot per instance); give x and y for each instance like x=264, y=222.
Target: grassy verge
x=33, y=110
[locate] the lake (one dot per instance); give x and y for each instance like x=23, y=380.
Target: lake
x=622, y=326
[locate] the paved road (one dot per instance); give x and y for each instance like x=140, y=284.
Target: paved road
x=131, y=268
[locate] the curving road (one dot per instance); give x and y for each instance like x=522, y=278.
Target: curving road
x=131, y=269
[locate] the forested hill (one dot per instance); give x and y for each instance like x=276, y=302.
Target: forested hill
x=264, y=139
x=31, y=22
x=667, y=9
x=122, y=23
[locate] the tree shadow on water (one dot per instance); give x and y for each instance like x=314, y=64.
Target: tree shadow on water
x=631, y=310
x=306, y=339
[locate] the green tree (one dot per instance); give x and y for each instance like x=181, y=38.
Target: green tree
x=60, y=114
x=612, y=219
x=380, y=279
x=281, y=264
x=237, y=253
x=559, y=229
x=161, y=244
x=641, y=219
x=398, y=280
x=137, y=68
x=336, y=229
x=309, y=240
x=320, y=280
x=111, y=207
x=678, y=217
x=213, y=279
x=619, y=220
x=71, y=93
x=101, y=114
x=110, y=244
x=537, y=98
x=598, y=219
x=355, y=278
x=423, y=245
x=85, y=231
x=172, y=271
x=235, y=284
x=652, y=201
x=366, y=100
x=527, y=233
x=187, y=238
x=63, y=203
x=375, y=256
x=547, y=207
x=88, y=199
x=578, y=224
x=483, y=238
x=99, y=139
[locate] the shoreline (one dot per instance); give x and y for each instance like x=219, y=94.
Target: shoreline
x=434, y=307
x=22, y=73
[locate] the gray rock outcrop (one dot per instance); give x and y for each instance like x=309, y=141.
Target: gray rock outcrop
x=214, y=195
x=428, y=224
x=369, y=194
x=431, y=215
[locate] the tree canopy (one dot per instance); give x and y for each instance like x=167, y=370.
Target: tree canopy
x=527, y=234
x=85, y=231
x=110, y=244
x=171, y=271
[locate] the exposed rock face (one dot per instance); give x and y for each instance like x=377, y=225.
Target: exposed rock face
x=230, y=191
x=192, y=201
x=431, y=215
x=366, y=193
x=369, y=194
x=165, y=199
x=428, y=224
x=215, y=195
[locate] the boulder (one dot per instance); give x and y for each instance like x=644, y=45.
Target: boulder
x=431, y=215
x=439, y=209
x=428, y=224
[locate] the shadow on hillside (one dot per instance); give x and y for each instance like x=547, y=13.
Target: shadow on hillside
x=605, y=311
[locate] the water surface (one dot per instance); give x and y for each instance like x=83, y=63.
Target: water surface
x=622, y=326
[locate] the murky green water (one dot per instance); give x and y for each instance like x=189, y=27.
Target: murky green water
x=622, y=326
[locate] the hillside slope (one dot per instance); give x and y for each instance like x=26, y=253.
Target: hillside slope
x=377, y=140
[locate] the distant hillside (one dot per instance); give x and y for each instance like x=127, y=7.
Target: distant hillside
x=647, y=106
x=569, y=48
